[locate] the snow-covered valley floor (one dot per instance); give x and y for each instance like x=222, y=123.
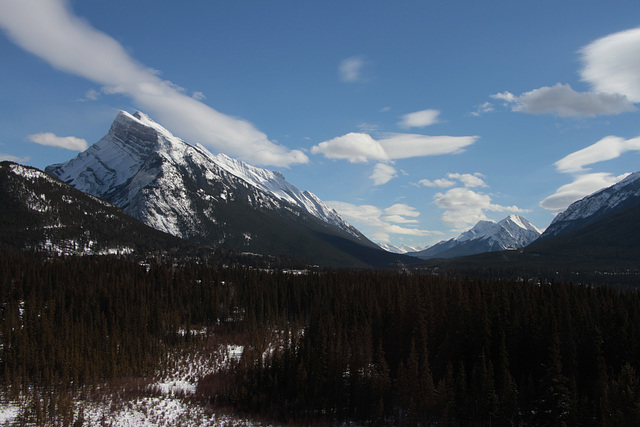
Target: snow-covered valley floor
x=167, y=399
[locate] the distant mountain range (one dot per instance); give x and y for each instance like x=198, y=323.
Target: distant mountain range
x=213, y=200
x=513, y=232
x=599, y=232
x=402, y=249
x=141, y=189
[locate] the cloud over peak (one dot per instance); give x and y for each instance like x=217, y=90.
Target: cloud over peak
x=582, y=186
x=49, y=30
x=464, y=207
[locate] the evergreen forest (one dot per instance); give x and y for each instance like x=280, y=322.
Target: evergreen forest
x=327, y=347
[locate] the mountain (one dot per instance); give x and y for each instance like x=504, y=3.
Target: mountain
x=39, y=212
x=402, y=249
x=513, y=232
x=620, y=196
x=212, y=200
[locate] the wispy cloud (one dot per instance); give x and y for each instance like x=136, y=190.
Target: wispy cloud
x=198, y=96
x=407, y=145
x=485, y=107
x=50, y=30
x=381, y=222
x=607, y=148
x=11, y=158
x=467, y=179
x=52, y=140
x=563, y=101
x=383, y=173
x=91, y=95
x=350, y=69
x=611, y=64
x=419, y=119
x=357, y=147
x=582, y=186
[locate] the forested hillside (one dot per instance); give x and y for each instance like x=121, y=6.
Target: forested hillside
x=373, y=347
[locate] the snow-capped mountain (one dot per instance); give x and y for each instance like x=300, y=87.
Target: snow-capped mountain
x=620, y=196
x=39, y=212
x=402, y=249
x=513, y=232
x=214, y=200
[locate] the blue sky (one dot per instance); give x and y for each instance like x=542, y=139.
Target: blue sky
x=414, y=119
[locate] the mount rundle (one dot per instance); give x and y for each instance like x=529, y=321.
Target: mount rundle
x=214, y=200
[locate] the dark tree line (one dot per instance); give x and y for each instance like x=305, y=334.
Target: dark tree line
x=376, y=347
x=415, y=349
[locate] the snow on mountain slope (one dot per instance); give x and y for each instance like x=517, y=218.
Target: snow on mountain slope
x=189, y=192
x=40, y=212
x=624, y=194
x=513, y=232
x=274, y=183
x=402, y=249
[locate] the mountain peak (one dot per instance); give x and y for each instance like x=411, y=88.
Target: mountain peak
x=512, y=232
x=520, y=222
x=211, y=199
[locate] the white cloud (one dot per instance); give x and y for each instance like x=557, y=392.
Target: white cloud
x=67, y=142
x=607, y=148
x=464, y=207
x=350, y=69
x=505, y=96
x=383, y=173
x=419, y=119
x=483, y=108
x=361, y=147
x=440, y=182
x=91, y=95
x=49, y=30
x=405, y=145
x=355, y=147
x=198, y=95
x=563, y=101
x=380, y=223
x=399, y=219
x=402, y=209
x=467, y=179
x=10, y=158
x=612, y=64
x=583, y=185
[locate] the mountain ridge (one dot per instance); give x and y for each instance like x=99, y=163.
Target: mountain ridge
x=604, y=202
x=42, y=213
x=209, y=199
x=512, y=232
